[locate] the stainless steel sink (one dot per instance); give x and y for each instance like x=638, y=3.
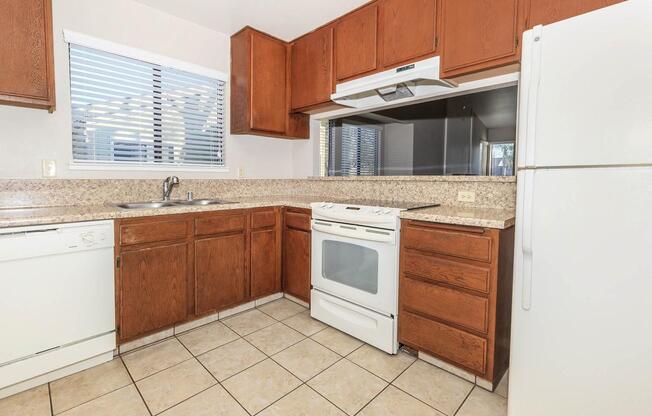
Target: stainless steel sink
x=145, y=205
x=173, y=203
x=202, y=202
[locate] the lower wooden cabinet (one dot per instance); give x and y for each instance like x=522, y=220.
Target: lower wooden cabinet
x=265, y=252
x=220, y=275
x=174, y=268
x=296, y=253
x=152, y=278
x=455, y=289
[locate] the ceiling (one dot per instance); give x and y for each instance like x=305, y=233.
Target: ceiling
x=285, y=19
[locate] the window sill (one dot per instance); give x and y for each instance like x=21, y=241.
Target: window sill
x=146, y=168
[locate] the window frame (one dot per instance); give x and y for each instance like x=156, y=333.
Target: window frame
x=71, y=37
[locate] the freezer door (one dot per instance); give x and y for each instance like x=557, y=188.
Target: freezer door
x=581, y=327
x=586, y=88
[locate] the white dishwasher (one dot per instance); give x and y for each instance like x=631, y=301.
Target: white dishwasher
x=57, y=303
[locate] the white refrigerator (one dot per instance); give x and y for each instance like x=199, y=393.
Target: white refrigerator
x=581, y=340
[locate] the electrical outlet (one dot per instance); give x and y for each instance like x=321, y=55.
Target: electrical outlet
x=49, y=168
x=466, y=196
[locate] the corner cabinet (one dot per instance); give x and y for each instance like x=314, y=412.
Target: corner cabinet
x=479, y=35
x=455, y=290
x=26, y=54
x=296, y=253
x=259, y=87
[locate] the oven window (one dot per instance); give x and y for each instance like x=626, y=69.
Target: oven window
x=350, y=264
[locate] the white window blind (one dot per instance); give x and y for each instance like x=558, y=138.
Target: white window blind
x=349, y=149
x=127, y=111
x=360, y=145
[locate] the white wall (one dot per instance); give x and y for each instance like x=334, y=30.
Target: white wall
x=27, y=136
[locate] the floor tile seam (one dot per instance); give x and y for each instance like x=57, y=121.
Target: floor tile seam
x=418, y=399
x=212, y=349
x=140, y=394
x=464, y=401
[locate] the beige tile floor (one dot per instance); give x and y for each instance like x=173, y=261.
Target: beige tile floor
x=273, y=360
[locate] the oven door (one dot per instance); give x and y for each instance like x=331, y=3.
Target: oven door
x=356, y=263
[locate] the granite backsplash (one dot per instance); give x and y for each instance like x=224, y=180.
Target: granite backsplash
x=490, y=192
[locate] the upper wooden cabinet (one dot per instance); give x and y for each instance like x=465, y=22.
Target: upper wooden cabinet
x=259, y=87
x=312, y=69
x=479, y=34
x=356, y=43
x=543, y=12
x=407, y=31
x=26, y=54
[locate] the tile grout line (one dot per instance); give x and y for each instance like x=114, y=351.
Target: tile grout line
x=50, y=399
x=418, y=399
x=214, y=378
x=464, y=401
x=136, y=386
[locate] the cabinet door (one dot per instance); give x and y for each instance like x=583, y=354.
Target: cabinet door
x=356, y=43
x=268, y=83
x=543, y=12
x=478, y=35
x=296, y=263
x=220, y=278
x=153, y=287
x=27, y=66
x=406, y=30
x=312, y=68
x=265, y=276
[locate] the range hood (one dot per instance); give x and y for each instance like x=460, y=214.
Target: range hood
x=413, y=80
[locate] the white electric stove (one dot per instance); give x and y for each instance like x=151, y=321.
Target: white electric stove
x=355, y=247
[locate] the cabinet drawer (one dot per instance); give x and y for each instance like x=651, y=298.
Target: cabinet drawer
x=449, y=241
x=152, y=232
x=441, y=270
x=260, y=219
x=459, y=347
x=220, y=224
x=297, y=220
x=447, y=304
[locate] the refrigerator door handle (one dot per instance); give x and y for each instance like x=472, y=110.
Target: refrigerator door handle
x=526, y=245
x=530, y=82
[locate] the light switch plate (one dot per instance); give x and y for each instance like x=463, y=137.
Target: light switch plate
x=49, y=168
x=241, y=172
x=466, y=196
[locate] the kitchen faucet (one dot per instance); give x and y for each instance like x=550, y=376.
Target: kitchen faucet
x=168, y=183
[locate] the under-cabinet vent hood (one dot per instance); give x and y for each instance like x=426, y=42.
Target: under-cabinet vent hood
x=413, y=80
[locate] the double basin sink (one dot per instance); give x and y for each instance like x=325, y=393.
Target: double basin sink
x=172, y=203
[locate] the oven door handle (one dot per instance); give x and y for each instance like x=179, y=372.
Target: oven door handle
x=351, y=231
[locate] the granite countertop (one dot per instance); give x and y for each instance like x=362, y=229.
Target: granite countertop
x=14, y=217
x=479, y=217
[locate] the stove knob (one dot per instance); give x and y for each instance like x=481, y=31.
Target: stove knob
x=376, y=211
x=388, y=211
x=329, y=206
x=322, y=205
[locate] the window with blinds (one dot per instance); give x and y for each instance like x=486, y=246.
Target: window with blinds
x=129, y=112
x=349, y=149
